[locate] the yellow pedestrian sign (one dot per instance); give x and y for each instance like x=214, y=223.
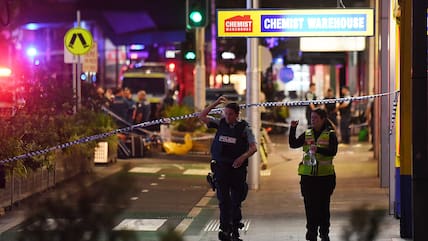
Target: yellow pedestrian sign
x=78, y=41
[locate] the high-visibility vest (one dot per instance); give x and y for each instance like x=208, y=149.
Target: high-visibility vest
x=324, y=166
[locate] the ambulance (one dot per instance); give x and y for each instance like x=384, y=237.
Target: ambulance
x=153, y=78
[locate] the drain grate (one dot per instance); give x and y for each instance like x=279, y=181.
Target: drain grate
x=214, y=225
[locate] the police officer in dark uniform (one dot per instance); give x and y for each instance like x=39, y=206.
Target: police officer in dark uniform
x=119, y=106
x=345, y=116
x=233, y=144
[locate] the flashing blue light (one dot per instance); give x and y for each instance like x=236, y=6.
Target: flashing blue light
x=278, y=60
x=136, y=47
x=286, y=74
x=32, y=26
x=83, y=77
x=31, y=51
x=84, y=24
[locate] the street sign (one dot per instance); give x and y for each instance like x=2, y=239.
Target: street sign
x=78, y=41
x=90, y=60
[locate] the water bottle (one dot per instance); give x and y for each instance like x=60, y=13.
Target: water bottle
x=312, y=158
x=309, y=158
x=306, y=160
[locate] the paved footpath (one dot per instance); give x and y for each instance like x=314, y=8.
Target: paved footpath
x=275, y=211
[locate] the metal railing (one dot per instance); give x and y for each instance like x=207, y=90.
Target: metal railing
x=20, y=187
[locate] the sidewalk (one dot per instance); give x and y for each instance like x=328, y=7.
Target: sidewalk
x=275, y=211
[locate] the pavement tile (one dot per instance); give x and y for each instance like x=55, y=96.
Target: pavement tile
x=276, y=210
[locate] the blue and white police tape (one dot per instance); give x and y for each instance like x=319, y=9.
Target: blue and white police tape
x=192, y=115
x=393, y=112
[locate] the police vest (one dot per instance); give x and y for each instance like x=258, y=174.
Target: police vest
x=347, y=110
x=324, y=166
x=229, y=142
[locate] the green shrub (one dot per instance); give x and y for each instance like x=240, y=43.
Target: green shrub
x=46, y=121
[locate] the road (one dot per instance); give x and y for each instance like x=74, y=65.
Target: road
x=157, y=194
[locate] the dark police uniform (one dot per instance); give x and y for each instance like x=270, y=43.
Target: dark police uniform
x=230, y=142
x=143, y=108
x=345, y=121
x=120, y=106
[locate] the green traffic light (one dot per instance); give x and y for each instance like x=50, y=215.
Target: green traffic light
x=190, y=55
x=196, y=16
x=196, y=13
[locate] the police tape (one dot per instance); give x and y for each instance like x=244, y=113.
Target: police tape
x=168, y=120
x=271, y=123
x=393, y=112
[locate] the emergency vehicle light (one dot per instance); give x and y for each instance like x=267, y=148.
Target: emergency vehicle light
x=5, y=72
x=171, y=67
x=31, y=52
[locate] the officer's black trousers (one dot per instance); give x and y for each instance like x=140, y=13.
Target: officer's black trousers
x=316, y=192
x=345, y=132
x=231, y=191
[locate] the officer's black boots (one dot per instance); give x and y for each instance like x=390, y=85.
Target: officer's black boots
x=324, y=237
x=235, y=235
x=235, y=231
x=231, y=236
x=311, y=236
x=224, y=236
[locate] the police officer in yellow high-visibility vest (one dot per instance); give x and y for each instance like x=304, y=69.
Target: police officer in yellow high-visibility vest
x=316, y=170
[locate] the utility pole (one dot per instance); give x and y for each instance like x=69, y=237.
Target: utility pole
x=252, y=96
x=200, y=69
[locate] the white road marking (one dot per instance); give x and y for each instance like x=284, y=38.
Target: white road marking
x=180, y=167
x=214, y=225
x=140, y=224
x=198, y=172
x=145, y=169
x=185, y=223
x=203, y=202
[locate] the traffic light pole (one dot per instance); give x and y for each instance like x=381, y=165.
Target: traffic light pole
x=77, y=70
x=199, y=80
x=252, y=96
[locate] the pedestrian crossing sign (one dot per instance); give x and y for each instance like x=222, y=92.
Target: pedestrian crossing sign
x=78, y=41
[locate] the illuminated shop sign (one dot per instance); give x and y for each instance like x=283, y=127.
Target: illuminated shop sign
x=332, y=44
x=295, y=23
